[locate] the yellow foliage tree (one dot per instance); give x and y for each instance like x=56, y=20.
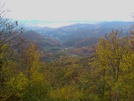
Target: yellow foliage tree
x=67, y=93
x=112, y=63
x=32, y=69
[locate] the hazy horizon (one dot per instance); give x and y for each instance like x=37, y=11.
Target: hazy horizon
x=58, y=23
x=66, y=11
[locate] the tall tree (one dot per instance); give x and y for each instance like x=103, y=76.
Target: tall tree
x=111, y=64
x=30, y=65
x=9, y=47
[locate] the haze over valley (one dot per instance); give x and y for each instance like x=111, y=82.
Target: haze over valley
x=66, y=50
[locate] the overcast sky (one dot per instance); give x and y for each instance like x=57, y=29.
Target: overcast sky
x=71, y=9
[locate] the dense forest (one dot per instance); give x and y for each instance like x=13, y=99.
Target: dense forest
x=39, y=67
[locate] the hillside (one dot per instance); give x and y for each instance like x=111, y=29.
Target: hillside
x=82, y=30
x=41, y=40
x=74, y=36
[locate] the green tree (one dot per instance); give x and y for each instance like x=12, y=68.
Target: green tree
x=111, y=64
x=10, y=39
x=30, y=65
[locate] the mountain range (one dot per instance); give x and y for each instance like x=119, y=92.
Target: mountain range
x=75, y=35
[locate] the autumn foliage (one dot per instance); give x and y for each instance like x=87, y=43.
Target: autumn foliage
x=104, y=73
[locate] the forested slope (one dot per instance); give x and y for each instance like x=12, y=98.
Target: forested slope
x=91, y=69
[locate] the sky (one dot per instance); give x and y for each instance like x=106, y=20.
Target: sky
x=97, y=10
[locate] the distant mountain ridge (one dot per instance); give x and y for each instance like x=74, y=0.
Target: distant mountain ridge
x=66, y=33
x=79, y=34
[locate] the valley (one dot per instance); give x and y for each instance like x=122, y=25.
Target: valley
x=66, y=50
x=79, y=62
x=78, y=39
